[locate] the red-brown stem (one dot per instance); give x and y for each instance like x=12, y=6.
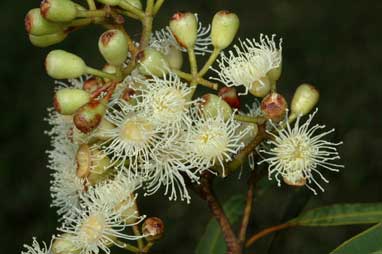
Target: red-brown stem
x=97, y=92
x=265, y=232
x=247, y=209
x=233, y=246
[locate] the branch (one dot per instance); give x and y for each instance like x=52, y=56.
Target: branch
x=248, y=208
x=265, y=232
x=205, y=192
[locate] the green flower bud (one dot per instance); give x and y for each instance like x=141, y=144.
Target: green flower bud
x=63, y=65
x=153, y=228
x=212, y=104
x=261, y=87
x=152, y=62
x=274, y=106
x=224, y=28
x=114, y=47
x=68, y=100
x=304, y=99
x=89, y=116
x=58, y=10
x=184, y=27
x=64, y=245
x=47, y=40
x=37, y=25
x=174, y=57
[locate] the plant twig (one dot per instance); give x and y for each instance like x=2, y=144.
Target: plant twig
x=265, y=232
x=209, y=62
x=248, y=208
x=158, y=5
x=205, y=192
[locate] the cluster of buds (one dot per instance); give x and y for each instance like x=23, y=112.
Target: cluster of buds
x=137, y=124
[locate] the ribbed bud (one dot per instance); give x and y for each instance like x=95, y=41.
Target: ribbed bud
x=113, y=45
x=304, y=99
x=229, y=95
x=64, y=245
x=89, y=116
x=152, y=62
x=64, y=65
x=68, y=100
x=174, y=57
x=47, y=40
x=58, y=10
x=91, y=85
x=225, y=25
x=153, y=228
x=212, y=104
x=37, y=25
x=184, y=27
x=261, y=87
x=274, y=107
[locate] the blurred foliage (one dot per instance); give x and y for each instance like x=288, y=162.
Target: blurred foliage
x=335, y=44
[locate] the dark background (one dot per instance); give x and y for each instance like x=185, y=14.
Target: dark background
x=334, y=44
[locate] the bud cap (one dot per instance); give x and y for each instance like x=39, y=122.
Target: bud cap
x=304, y=99
x=152, y=62
x=225, y=25
x=68, y=100
x=58, y=10
x=113, y=45
x=184, y=27
x=61, y=64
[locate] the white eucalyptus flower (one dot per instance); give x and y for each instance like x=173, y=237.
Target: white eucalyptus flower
x=213, y=140
x=168, y=168
x=166, y=100
x=297, y=154
x=249, y=63
x=35, y=248
x=96, y=226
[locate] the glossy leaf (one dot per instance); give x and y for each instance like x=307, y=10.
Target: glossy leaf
x=367, y=242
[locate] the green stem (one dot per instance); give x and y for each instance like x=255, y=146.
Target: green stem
x=138, y=233
x=128, y=7
x=157, y=6
x=128, y=14
x=147, y=23
x=148, y=247
x=193, y=63
x=91, y=5
x=198, y=80
x=209, y=62
x=80, y=22
x=249, y=119
x=91, y=13
x=99, y=73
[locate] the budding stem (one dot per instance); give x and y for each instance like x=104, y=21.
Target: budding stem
x=91, y=13
x=265, y=232
x=198, y=80
x=91, y=4
x=157, y=6
x=130, y=8
x=209, y=62
x=101, y=74
x=249, y=119
x=127, y=246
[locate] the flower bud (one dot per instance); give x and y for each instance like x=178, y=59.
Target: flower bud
x=224, y=28
x=229, y=95
x=91, y=85
x=68, y=100
x=274, y=106
x=64, y=245
x=304, y=99
x=37, y=25
x=174, y=57
x=89, y=116
x=47, y=40
x=294, y=181
x=64, y=65
x=184, y=27
x=58, y=10
x=261, y=87
x=153, y=229
x=152, y=62
x=113, y=45
x=213, y=104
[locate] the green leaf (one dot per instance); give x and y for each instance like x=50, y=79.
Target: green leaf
x=212, y=241
x=341, y=214
x=367, y=242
